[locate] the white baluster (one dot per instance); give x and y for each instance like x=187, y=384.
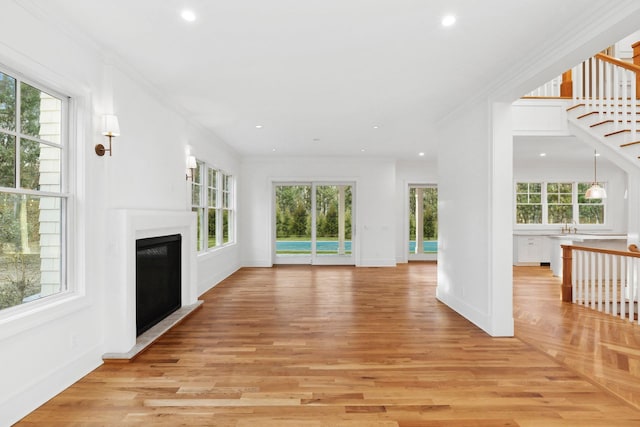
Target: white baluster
x=625, y=96
x=598, y=267
x=607, y=89
x=633, y=283
x=623, y=284
x=614, y=280
x=607, y=284
x=574, y=278
x=592, y=276
x=594, y=83
x=600, y=89
x=579, y=279
x=576, y=72
x=616, y=94
x=634, y=112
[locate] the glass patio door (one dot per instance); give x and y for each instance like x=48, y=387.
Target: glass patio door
x=313, y=223
x=423, y=222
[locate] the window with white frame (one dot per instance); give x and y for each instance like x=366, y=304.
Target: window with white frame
x=212, y=199
x=590, y=211
x=559, y=202
x=33, y=197
x=212, y=208
x=551, y=203
x=227, y=208
x=529, y=203
x=197, y=203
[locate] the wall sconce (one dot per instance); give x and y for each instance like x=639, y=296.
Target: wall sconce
x=110, y=128
x=192, y=164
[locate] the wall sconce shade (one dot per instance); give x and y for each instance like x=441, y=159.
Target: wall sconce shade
x=192, y=164
x=110, y=129
x=110, y=125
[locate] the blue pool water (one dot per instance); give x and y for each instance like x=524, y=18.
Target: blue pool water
x=305, y=246
x=430, y=246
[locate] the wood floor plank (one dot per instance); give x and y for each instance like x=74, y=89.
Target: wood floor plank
x=342, y=346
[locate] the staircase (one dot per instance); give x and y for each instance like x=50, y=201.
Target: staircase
x=603, y=93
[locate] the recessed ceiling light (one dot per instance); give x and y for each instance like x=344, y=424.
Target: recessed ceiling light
x=543, y=154
x=273, y=149
x=188, y=15
x=448, y=20
x=258, y=126
x=421, y=154
x=597, y=154
x=362, y=150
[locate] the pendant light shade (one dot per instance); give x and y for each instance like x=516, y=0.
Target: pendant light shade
x=595, y=191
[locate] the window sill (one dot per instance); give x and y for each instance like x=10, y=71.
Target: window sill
x=212, y=251
x=34, y=314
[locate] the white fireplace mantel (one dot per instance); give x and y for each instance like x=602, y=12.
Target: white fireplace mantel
x=130, y=225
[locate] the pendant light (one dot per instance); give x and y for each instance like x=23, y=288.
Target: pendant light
x=595, y=191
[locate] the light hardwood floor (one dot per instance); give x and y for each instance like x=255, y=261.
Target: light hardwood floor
x=339, y=346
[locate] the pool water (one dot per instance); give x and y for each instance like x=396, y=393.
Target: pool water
x=304, y=246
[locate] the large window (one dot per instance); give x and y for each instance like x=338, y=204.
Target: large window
x=529, y=203
x=590, y=211
x=551, y=203
x=559, y=202
x=32, y=197
x=213, y=201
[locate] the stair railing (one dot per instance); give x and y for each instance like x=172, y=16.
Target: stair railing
x=602, y=279
x=607, y=86
x=604, y=85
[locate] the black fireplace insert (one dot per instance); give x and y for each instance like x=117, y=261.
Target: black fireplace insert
x=158, y=279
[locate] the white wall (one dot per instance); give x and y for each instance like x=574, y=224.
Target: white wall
x=146, y=171
x=409, y=172
x=471, y=263
x=375, y=201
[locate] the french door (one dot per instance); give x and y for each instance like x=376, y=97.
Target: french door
x=313, y=223
x=423, y=222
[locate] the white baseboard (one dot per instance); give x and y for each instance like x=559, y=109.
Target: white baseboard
x=36, y=393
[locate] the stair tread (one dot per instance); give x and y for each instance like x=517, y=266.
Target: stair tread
x=617, y=132
x=627, y=144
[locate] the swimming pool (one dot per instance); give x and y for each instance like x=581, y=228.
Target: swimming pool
x=304, y=246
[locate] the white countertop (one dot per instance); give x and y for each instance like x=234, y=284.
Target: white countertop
x=581, y=237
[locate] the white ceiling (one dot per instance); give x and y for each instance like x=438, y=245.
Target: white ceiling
x=560, y=151
x=319, y=75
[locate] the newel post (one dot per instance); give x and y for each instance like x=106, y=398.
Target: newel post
x=636, y=61
x=566, y=87
x=567, y=293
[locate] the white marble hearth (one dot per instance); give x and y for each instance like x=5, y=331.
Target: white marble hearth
x=130, y=225
x=150, y=336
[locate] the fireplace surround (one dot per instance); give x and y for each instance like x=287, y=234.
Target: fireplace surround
x=120, y=299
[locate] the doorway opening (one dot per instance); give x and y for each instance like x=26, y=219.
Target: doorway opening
x=423, y=222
